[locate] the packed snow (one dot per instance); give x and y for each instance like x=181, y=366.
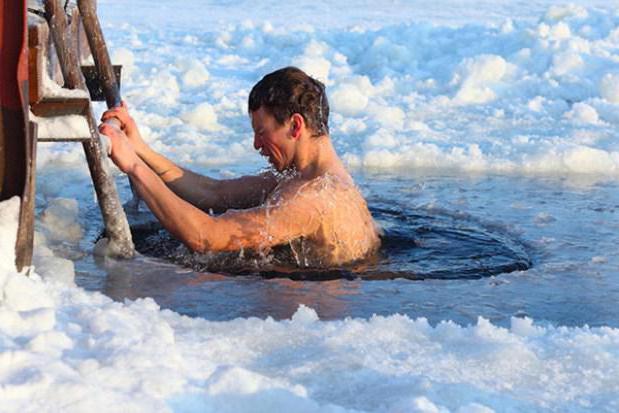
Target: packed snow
x=65, y=349
x=510, y=87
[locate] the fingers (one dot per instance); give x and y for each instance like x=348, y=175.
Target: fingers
x=111, y=114
x=106, y=128
x=111, y=130
x=114, y=122
x=119, y=112
x=106, y=143
x=106, y=132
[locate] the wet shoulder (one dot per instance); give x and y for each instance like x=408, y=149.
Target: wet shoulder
x=320, y=189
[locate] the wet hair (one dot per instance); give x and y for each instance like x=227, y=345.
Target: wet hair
x=288, y=91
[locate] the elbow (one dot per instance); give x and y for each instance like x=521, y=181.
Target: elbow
x=196, y=239
x=203, y=245
x=196, y=245
x=202, y=241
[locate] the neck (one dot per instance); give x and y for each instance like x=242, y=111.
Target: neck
x=315, y=158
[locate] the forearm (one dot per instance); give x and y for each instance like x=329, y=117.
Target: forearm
x=255, y=228
x=191, y=187
x=179, y=217
x=162, y=166
x=203, y=192
x=196, y=229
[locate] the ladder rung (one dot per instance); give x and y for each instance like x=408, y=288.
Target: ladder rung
x=78, y=139
x=60, y=106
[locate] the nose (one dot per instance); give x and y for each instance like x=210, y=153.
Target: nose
x=257, y=142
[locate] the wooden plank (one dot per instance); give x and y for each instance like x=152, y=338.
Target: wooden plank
x=43, y=60
x=60, y=106
x=25, y=232
x=37, y=45
x=65, y=139
x=13, y=97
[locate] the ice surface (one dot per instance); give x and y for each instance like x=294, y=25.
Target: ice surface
x=484, y=86
x=67, y=349
x=494, y=89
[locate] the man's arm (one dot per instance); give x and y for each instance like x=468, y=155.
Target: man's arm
x=201, y=191
x=296, y=212
x=220, y=195
x=255, y=228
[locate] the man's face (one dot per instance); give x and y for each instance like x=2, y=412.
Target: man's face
x=272, y=140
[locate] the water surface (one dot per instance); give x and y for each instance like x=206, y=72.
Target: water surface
x=567, y=229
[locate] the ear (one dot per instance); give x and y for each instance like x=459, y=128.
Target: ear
x=297, y=123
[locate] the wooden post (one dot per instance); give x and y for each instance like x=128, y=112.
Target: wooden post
x=116, y=225
x=103, y=63
x=25, y=231
x=98, y=48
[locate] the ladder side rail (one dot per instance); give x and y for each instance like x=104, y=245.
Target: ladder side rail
x=116, y=225
x=99, y=52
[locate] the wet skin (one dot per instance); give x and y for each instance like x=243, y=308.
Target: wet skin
x=316, y=208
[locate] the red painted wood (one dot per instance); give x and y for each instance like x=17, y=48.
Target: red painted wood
x=14, y=54
x=17, y=142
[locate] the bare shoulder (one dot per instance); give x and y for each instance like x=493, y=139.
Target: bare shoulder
x=246, y=191
x=320, y=190
x=264, y=180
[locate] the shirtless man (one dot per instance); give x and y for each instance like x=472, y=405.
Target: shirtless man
x=312, y=203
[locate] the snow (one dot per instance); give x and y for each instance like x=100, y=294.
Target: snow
x=9, y=212
x=67, y=349
x=609, y=87
x=203, y=117
x=494, y=87
x=53, y=89
x=474, y=78
x=62, y=127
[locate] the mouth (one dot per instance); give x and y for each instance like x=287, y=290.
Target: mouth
x=266, y=155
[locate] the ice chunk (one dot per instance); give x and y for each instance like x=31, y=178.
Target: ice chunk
x=304, y=315
x=609, y=87
x=583, y=113
x=54, y=268
x=60, y=220
x=203, y=117
x=9, y=217
x=237, y=381
x=125, y=57
x=349, y=100
x=195, y=75
x=476, y=78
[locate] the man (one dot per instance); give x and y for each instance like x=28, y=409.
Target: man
x=312, y=204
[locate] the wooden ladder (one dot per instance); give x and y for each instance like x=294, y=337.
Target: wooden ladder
x=66, y=38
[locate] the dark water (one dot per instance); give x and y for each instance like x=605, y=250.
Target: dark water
x=455, y=248
x=415, y=245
